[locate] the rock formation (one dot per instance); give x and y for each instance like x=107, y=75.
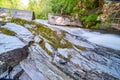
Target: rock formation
x=13, y=49
x=59, y=53
x=63, y=20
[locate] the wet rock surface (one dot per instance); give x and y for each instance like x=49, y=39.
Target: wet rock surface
x=12, y=51
x=8, y=43
x=85, y=60
x=89, y=61
x=3, y=67
x=13, y=57
x=21, y=32
x=39, y=64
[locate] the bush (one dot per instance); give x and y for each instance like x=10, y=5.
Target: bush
x=92, y=17
x=90, y=20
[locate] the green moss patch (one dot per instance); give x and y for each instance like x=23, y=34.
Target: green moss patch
x=42, y=44
x=81, y=47
x=50, y=35
x=7, y=32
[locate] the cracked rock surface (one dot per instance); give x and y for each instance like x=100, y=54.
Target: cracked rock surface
x=84, y=60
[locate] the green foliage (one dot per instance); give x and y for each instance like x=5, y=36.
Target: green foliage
x=9, y=3
x=18, y=21
x=72, y=6
x=3, y=20
x=81, y=47
x=92, y=17
x=86, y=10
x=41, y=8
x=98, y=24
x=42, y=44
x=91, y=20
x=84, y=18
x=108, y=21
x=66, y=5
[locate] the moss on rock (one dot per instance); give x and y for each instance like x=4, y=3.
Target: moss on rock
x=7, y=32
x=46, y=32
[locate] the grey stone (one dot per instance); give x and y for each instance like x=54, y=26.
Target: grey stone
x=13, y=57
x=37, y=39
x=3, y=67
x=49, y=47
x=39, y=64
x=15, y=73
x=94, y=63
x=24, y=76
x=63, y=20
x=21, y=32
x=12, y=51
x=23, y=14
x=27, y=26
x=61, y=61
x=62, y=41
x=8, y=43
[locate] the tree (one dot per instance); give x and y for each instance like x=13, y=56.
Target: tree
x=40, y=7
x=9, y=3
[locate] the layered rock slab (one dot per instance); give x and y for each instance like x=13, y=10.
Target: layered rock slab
x=21, y=32
x=95, y=62
x=12, y=51
x=8, y=43
x=38, y=67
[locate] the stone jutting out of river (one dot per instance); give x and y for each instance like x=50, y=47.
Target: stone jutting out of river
x=57, y=53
